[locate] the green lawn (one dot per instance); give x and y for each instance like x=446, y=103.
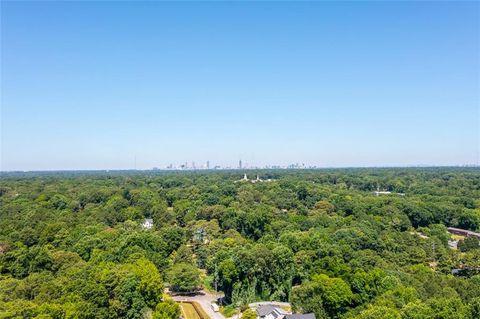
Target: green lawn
x=188, y=311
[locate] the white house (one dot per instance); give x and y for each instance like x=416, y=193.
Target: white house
x=147, y=223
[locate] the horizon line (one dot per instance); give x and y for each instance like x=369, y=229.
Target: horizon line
x=276, y=167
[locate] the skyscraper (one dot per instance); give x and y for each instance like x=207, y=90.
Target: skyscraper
x=240, y=164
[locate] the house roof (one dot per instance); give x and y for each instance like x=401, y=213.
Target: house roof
x=301, y=316
x=264, y=310
x=147, y=223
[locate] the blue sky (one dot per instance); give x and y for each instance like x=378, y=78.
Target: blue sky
x=92, y=85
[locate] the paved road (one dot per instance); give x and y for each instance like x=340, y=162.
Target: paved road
x=204, y=299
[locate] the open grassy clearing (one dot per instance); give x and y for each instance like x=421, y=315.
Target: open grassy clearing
x=189, y=311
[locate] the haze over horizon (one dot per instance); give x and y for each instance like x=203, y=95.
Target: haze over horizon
x=92, y=85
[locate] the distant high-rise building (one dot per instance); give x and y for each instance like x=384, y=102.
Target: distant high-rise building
x=240, y=164
x=208, y=164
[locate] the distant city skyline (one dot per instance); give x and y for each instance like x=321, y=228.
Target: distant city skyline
x=136, y=85
x=194, y=166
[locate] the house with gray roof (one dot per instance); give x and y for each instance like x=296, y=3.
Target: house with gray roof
x=300, y=316
x=270, y=312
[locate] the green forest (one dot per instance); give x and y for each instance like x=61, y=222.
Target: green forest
x=72, y=244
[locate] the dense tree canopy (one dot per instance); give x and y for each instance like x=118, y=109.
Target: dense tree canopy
x=184, y=277
x=72, y=244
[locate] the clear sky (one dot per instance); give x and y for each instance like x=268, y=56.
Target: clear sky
x=92, y=85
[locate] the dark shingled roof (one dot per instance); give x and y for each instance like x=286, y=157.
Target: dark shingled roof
x=301, y=316
x=264, y=310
